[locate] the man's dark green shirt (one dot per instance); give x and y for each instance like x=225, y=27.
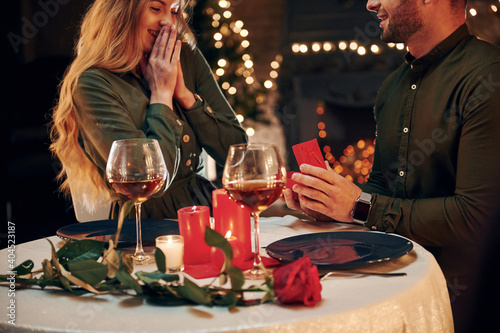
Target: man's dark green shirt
x=436, y=170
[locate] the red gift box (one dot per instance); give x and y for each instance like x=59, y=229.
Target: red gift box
x=308, y=152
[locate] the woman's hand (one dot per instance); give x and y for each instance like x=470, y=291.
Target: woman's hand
x=182, y=94
x=323, y=194
x=162, y=67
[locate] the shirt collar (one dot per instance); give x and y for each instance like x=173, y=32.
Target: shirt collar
x=441, y=49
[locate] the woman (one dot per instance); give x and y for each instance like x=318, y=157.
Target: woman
x=130, y=79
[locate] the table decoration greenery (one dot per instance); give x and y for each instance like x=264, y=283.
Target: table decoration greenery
x=83, y=266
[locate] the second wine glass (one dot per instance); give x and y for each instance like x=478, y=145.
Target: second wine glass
x=136, y=171
x=255, y=176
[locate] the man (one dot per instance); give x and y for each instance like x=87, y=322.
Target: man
x=435, y=177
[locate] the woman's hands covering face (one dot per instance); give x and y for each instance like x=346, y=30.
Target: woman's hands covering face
x=162, y=67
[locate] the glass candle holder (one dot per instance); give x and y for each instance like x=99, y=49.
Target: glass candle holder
x=172, y=247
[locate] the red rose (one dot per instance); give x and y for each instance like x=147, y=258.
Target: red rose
x=297, y=282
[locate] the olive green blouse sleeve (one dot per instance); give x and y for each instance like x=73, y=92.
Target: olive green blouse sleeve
x=213, y=121
x=108, y=108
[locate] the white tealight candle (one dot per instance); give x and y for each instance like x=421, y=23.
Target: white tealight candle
x=172, y=247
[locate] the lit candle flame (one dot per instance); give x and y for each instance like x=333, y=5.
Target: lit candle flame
x=169, y=241
x=228, y=235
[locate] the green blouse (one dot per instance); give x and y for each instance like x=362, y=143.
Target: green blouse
x=112, y=106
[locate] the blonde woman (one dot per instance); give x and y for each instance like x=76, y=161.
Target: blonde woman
x=138, y=74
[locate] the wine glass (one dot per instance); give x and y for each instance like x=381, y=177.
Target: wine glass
x=136, y=171
x=254, y=176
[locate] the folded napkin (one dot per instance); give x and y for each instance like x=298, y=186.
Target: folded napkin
x=208, y=270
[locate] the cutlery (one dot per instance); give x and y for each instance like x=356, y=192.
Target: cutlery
x=327, y=275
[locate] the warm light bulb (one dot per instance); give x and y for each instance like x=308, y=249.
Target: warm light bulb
x=327, y=46
x=250, y=131
x=222, y=62
x=268, y=84
x=224, y=4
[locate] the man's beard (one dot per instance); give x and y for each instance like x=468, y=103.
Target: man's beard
x=403, y=23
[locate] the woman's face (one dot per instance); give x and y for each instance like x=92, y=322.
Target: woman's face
x=157, y=14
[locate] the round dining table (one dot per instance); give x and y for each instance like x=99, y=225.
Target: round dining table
x=415, y=302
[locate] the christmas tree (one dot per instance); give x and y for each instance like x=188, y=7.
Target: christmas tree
x=223, y=40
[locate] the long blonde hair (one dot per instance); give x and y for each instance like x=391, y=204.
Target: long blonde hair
x=108, y=40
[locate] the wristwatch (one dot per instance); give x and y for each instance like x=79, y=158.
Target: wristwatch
x=362, y=208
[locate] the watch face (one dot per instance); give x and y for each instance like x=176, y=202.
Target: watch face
x=362, y=208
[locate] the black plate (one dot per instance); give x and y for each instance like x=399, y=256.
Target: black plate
x=341, y=250
x=105, y=230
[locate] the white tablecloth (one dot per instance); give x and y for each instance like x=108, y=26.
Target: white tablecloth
x=417, y=302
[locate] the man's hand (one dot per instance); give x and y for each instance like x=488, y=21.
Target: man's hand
x=323, y=194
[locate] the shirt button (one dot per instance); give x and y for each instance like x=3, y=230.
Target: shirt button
x=401, y=173
x=188, y=162
x=405, y=130
x=209, y=109
x=185, y=138
x=413, y=86
x=179, y=122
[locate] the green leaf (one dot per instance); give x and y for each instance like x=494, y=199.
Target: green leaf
x=88, y=271
x=160, y=260
x=152, y=277
x=124, y=210
x=236, y=277
x=48, y=269
x=213, y=238
x=193, y=292
x=127, y=261
x=229, y=299
x=129, y=281
x=111, y=258
x=80, y=250
x=24, y=268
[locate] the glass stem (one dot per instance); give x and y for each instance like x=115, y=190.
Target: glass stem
x=256, y=259
x=139, y=251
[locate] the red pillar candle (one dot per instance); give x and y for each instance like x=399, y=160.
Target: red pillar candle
x=192, y=224
x=231, y=216
x=238, y=259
